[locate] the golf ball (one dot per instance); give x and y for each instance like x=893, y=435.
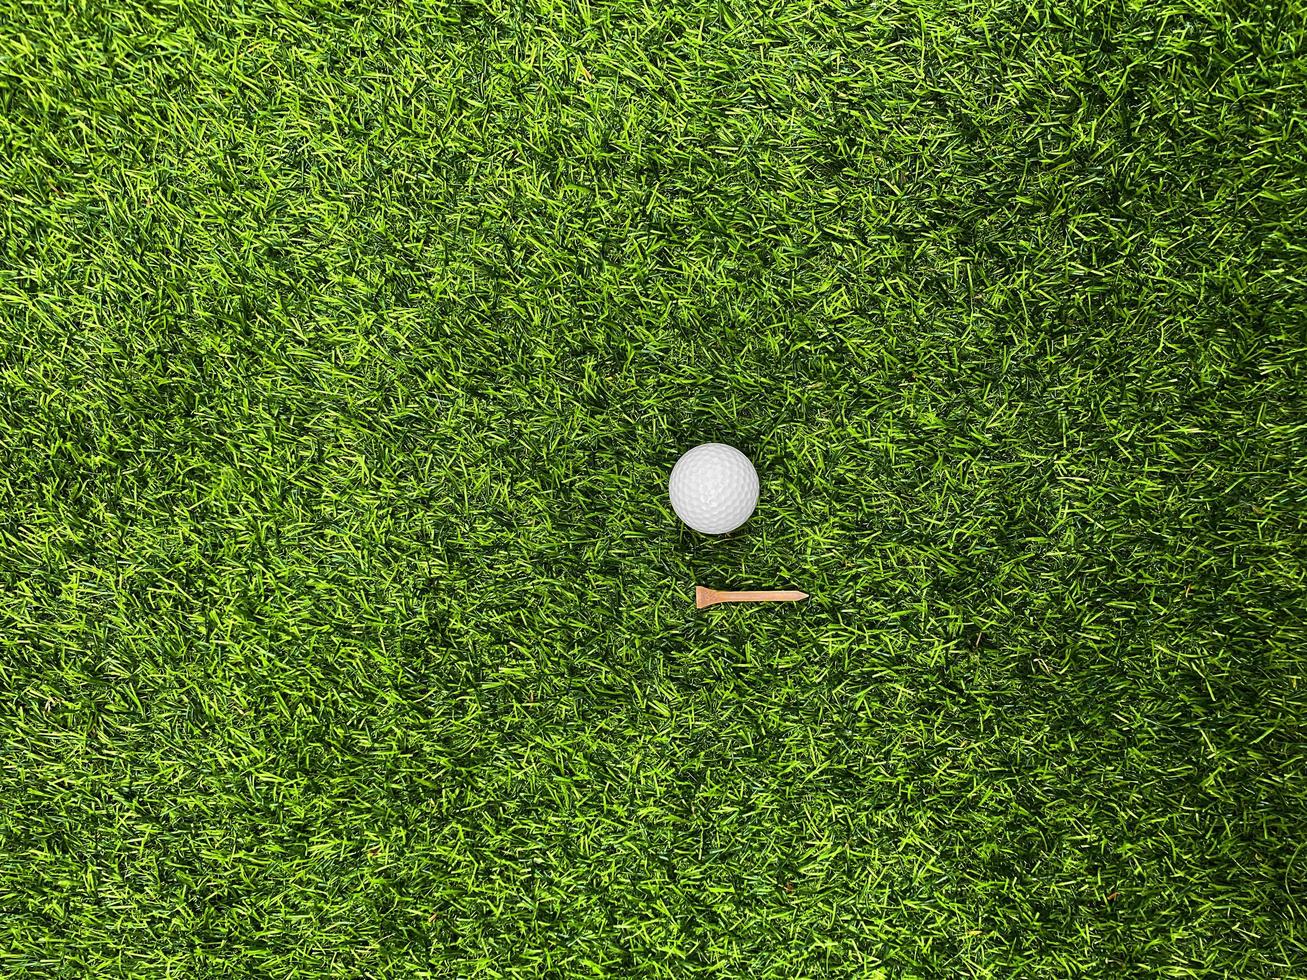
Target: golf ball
x=714, y=488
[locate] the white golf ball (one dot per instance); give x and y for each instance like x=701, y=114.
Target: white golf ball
x=714, y=488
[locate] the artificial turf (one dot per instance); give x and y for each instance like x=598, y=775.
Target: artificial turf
x=346, y=630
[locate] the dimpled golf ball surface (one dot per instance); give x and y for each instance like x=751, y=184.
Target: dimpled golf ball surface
x=714, y=488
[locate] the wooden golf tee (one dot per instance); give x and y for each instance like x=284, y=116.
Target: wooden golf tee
x=709, y=597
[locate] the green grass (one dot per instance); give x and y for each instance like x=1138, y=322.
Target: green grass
x=345, y=628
